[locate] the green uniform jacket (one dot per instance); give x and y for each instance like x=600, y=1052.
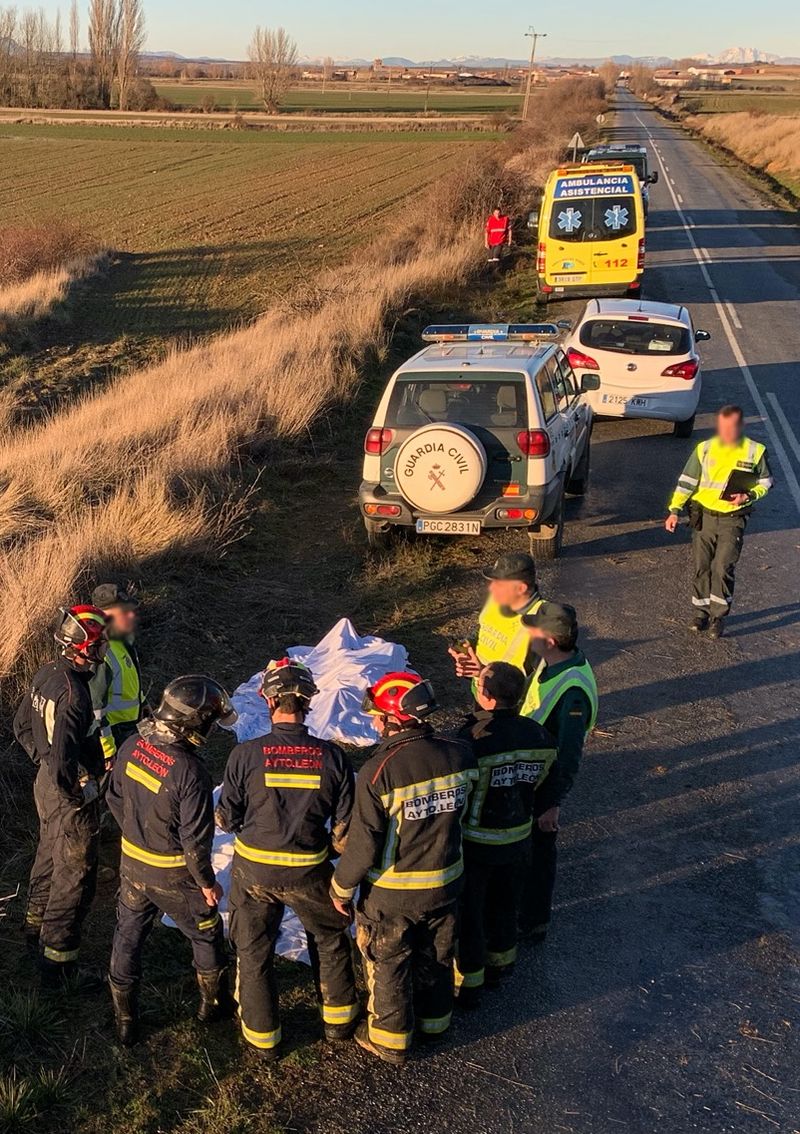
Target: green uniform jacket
x=569, y=721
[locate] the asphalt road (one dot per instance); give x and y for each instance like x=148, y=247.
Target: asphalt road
x=667, y=996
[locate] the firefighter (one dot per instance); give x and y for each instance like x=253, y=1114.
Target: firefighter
x=562, y=696
x=498, y=234
x=512, y=592
x=514, y=755
x=161, y=796
x=56, y=727
x=404, y=851
x=721, y=481
x=288, y=798
x=117, y=685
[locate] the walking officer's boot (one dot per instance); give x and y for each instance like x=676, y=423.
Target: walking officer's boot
x=216, y=1002
x=126, y=1013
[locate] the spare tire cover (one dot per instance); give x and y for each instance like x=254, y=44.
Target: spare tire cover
x=440, y=468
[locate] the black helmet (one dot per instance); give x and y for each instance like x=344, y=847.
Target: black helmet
x=285, y=677
x=192, y=705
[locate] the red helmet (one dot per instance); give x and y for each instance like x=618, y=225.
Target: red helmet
x=82, y=630
x=404, y=696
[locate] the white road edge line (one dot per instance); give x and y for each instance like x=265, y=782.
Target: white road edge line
x=741, y=362
x=680, y=198
x=791, y=436
x=734, y=317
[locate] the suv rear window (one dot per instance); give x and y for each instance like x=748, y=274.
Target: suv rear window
x=628, y=337
x=630, y=157
x=492, y=401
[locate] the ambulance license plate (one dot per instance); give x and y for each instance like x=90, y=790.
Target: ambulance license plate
x=576, y=277
x=449, y=525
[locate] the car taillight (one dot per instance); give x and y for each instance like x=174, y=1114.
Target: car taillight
x=640, y=262
x=378, y=441
x=534, y=442
x=541, y=259
x=382, y=509
x=580, y=361
x=686, y=370
x=516, y=513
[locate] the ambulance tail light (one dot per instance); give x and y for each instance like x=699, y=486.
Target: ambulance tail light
x=686, y=370
x=541, y=258
x=580, y=361
x=378, y=441
x=640, y=261
x=534, y=442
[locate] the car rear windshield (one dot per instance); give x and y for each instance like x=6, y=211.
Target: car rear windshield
x=637, y=160
x=491, y=400
x=593, y=218
x=632, y=337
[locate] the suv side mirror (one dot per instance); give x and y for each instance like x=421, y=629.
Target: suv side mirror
x=702, y=336
x=533, y=218
x=590, y=382
x=653, y=178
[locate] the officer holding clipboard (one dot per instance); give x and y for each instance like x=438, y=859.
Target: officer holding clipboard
x=722, y=480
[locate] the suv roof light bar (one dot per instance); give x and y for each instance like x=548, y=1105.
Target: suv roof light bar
x=491, y=332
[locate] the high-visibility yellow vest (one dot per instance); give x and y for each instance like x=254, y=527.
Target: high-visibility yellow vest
x=124, y=702
x=543, y=696
x=501, y=636
x=716, y=464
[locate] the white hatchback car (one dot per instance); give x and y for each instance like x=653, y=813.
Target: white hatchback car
x=645, y=356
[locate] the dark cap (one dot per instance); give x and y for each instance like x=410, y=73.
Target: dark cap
x=557, y=620
x=107, y=595
x=514, y=566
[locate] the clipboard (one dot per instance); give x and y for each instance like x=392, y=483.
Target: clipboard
x=739, y=481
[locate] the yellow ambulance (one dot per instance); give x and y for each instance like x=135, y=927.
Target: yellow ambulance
x=591, y=232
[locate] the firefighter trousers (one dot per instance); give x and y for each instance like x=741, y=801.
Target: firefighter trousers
x=257, y=910
x=138, y=906
x=536, y=902
x=488, y=912
x=716, y=548
x=408, y=966
x=64, y=874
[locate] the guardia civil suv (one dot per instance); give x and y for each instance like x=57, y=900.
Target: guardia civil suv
x=484, y=428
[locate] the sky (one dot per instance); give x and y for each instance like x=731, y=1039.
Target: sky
x=431, y=29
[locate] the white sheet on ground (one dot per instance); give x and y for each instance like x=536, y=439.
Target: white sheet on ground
x=343, y=665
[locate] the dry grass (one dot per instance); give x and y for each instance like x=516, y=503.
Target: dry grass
x=767, y=142
x=136, y=473
x=39, y=294
x=29, y=250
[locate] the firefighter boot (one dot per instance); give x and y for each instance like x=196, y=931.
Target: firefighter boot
x=126, y=1013
x=216, y=1002
x=362, y=1038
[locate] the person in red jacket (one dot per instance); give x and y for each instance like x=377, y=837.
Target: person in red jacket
x=498, y=234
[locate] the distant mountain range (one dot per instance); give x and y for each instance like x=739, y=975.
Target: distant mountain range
x=731, y=55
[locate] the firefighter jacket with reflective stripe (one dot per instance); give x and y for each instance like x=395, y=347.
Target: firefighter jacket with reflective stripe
x=709, y=468
x=117, y=691
x=564, y=699
x=404, y=846
x=502, y=637
x=515, y=755
x=56, y=727
x=287, y=797
x=161, y=794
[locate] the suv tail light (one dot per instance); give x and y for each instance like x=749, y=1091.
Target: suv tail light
x=378, y=441
x=534, y=442
x=686, y=370
x=541, y=259
x=640, y=261
x=580, y=361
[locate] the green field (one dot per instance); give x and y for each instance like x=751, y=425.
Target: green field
x=727, y=102
x=211, y=225
x=343, y=99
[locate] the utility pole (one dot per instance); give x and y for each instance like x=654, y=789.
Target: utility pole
x=428, y=89
x=534, y=37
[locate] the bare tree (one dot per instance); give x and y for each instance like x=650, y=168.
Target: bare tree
x=74, y=31
x=273, y=57
x=131, y=42
x=609, y=73
x=104, y=33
